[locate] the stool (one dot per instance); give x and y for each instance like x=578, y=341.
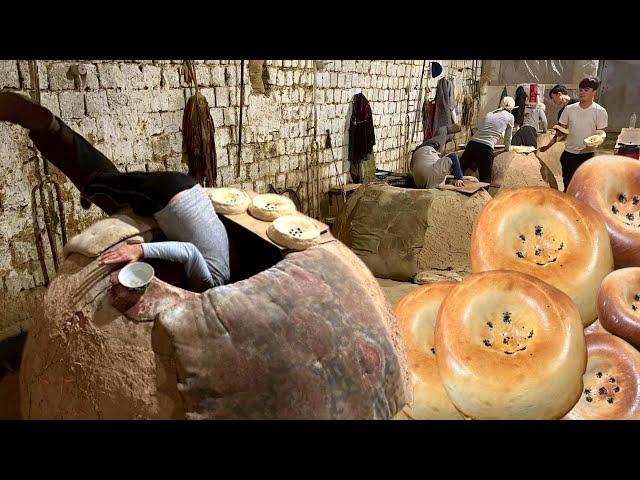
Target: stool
x=336, y=201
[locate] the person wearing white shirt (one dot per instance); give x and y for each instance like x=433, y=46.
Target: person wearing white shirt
x=583, y=120
x=479, y=151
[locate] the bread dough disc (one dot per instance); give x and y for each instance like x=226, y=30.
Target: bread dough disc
x=610, y=184
x=296, y=232
x=416, y=313
x=611, y=382
x=269, y=206
x=548, y=234
x=228, y=201
x=593, y=141
x=510, y=346
x=522, y=149
x=561, y=129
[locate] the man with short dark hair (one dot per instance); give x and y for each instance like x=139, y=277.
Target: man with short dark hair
x=560, y=96
x=583, y=120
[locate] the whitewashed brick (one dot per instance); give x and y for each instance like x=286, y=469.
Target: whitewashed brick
x=132, y=75
x=210, y=95
x=222, y=137
x=171, y=121
x=109, y=75
x=50, y=100
x=58, y=79
x=71, y=104
x=217, y=115
x=170, y=77
x=222, y=96
x=97, y=103
x=203, y=75
x=175, y=100
x=151, y=76
x=217, y=78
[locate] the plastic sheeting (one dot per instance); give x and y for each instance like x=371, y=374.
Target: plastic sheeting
x=514, y=72
x=535, y=71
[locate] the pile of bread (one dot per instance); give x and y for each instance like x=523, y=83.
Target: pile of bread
x=288, y=228
x=547, y=326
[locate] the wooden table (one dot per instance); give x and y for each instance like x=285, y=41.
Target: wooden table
x=259, y=227
x=336, y=200
x=628, y=136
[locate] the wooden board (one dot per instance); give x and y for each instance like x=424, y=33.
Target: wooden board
x=462, y=146
x=259, y=227
x=469, y=187
x=347, y=188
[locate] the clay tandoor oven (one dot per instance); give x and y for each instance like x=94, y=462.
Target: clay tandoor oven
x=296, y=335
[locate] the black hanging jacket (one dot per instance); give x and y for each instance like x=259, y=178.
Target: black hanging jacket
x=361, y=135
x=521, y=99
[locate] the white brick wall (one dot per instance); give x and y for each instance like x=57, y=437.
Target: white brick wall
x=132, y=112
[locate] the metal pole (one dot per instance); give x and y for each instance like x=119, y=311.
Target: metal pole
x=241, y=114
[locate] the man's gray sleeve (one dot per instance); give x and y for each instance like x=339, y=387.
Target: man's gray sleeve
x=543, y=120
x=187, y=254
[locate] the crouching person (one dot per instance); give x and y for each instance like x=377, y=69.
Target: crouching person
x=429, y=168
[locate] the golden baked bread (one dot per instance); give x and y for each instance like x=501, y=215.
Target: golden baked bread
x=548, y=234
x=619, y=304
x=610, y=382
x=416, y=313
x=611, y=185
x=594, y=328
x=510, y=346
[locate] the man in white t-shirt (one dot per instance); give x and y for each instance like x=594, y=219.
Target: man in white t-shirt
x=583, y=120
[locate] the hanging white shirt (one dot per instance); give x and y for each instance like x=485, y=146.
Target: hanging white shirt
x=582, y=123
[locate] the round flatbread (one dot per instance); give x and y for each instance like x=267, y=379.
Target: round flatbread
x=296, y=232
x=269, y=206
x=228, y=201
x=619, y=304
x=416, y=313
x=548, y=234
x=510, y=346
x=610, y=184
x=611, y=381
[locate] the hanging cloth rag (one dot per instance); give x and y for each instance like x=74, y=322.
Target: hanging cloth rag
x=428, y=109
x=467, y=111
x=443, y=105
x=361, y=135
x=502, y=95
x=521, y=99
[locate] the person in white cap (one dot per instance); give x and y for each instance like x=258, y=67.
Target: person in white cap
x=479, y=151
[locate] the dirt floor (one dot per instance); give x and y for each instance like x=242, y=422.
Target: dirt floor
x=394, y=291
x=9, y=397
x=10, y=356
